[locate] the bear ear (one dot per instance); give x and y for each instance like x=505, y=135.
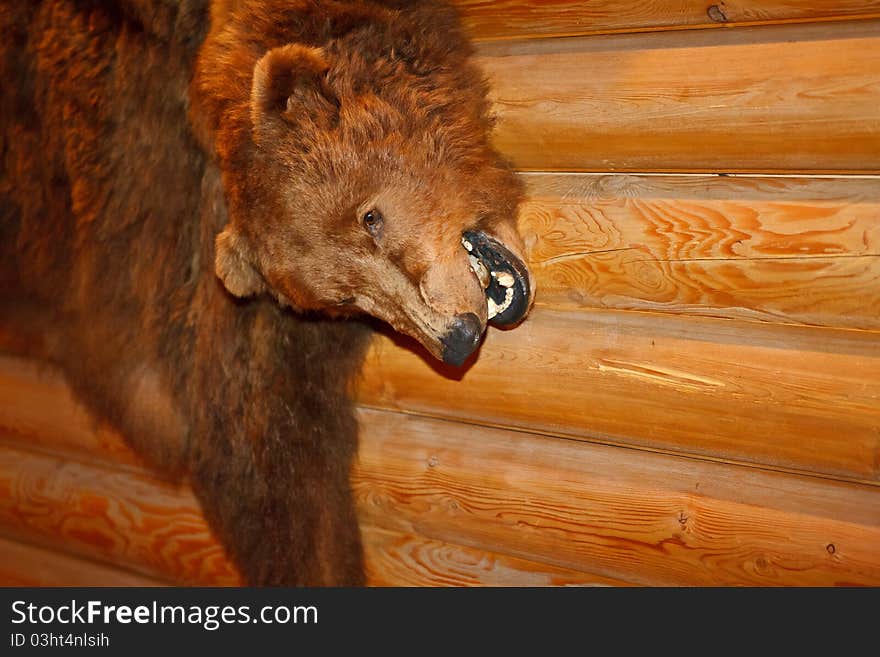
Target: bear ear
x=234, y=266
x=291, y=81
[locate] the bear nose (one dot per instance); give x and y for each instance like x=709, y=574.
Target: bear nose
x=462, y=338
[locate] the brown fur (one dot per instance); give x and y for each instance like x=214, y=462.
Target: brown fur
x=145, y=155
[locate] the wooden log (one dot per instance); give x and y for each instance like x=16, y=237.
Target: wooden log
x=773, y=99
x=647, y=518
x=396, y=559
x=127, y=519
x=22, y=564
x=794, y=250
x=622, y=514
x=39, y=413
x=780, y=396
x=506, y=19
x=789, y=397
x=88, y=510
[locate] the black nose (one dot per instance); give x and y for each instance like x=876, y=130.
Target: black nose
x=462, y=339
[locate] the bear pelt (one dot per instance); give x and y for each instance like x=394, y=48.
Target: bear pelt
x=197, y=202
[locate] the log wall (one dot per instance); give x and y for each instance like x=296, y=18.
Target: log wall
x=696, y=397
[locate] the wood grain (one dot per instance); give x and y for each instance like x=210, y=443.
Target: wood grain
x=647, y=518
x=122, y=518
x=773, y=99
x=784, y=396
x=23, y=564
x=799, y=250
x=94, y=520
x=393, y=559
x=396, y=559
x=506, y=19
x=523, y=508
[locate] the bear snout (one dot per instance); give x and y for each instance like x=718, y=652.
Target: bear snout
x=462, y=338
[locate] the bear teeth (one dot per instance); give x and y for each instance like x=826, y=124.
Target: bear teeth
x=495, y=309
x=504, y=278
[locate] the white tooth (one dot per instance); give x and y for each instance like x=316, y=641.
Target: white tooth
x=508, y=298
x=494, y=308
x=466, y=244
x=504, y=278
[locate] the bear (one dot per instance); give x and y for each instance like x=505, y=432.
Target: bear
x=202, y=206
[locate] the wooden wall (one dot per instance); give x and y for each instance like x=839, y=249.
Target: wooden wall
x=696, y=397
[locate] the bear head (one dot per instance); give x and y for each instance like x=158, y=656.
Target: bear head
x=364, y=182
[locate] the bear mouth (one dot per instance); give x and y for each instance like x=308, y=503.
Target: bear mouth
x=503, y=276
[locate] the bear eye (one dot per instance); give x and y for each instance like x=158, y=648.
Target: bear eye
x=373, y=221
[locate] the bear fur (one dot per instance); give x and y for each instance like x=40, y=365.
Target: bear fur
x=195, y=200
